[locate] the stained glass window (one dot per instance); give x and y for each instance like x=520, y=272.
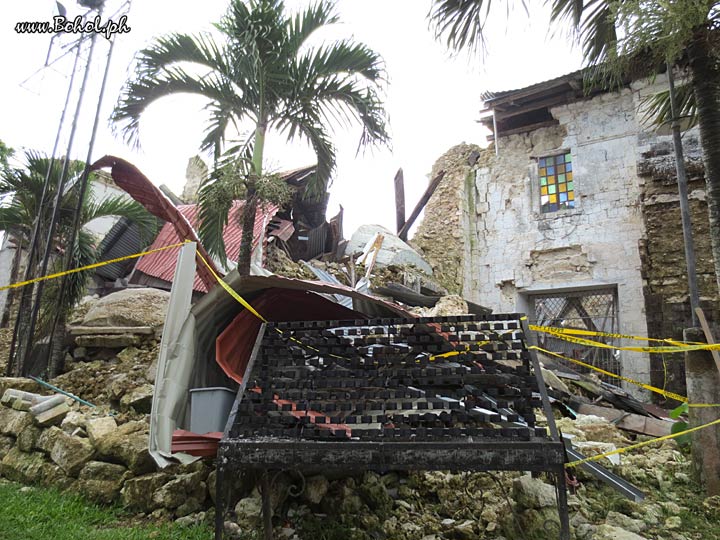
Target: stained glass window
x=556, y=183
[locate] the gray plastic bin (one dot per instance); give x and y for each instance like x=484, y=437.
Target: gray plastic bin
x=210, y=408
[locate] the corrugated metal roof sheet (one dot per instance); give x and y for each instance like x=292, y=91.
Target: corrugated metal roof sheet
x=122, y=239
x=161, y=265
x=128, y=177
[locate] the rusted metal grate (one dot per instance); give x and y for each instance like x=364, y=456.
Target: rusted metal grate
x=594, y=310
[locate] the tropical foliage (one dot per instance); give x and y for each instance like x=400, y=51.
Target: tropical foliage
x=23, y=190
x=259, y=70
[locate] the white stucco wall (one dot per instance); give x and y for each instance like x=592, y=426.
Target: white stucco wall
x=515, y=250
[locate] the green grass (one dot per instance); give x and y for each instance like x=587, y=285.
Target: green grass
x=44, y=514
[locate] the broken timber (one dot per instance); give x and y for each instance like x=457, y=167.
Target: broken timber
x=379, y=395
x=403, y=232
x=399, y=200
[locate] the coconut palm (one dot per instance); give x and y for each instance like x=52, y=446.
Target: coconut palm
x=260, y=71
x=680, y=32
x=23, y=189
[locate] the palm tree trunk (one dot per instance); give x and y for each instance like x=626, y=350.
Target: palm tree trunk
x=248, y=225
x=250, y=209
x=706, y=83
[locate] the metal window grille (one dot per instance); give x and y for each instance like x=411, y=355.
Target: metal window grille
x=594, y=310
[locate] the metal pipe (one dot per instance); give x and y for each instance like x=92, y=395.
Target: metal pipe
x=56, y=210
x=70, y=242
x=63, y=392
x=26, y=294
x=684, y=204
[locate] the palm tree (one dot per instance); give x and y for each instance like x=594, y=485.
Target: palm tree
x=23, y=188
x=263, y=72
x=682, y=31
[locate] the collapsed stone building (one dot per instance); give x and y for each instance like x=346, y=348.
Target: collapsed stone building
x=572, y=215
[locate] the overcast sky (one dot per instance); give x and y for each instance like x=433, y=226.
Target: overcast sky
x=433, y=100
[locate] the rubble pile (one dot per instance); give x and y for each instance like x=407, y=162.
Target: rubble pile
x=279, y=262
x=121, y=381
x=102, y=453
x=105, y=458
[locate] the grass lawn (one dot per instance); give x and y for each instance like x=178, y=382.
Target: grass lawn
x=46, y=514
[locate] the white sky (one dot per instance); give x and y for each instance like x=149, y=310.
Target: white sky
x=432, y=99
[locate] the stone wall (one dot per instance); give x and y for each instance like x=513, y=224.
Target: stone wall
x=104, y=458
x=663, y=254
x=593, y=245
x=440, y=234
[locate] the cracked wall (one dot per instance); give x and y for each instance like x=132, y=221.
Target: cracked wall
x=520, y=251
x=488, y=236
x=446, y=234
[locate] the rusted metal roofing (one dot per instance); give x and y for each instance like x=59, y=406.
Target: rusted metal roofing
x=128, y=177
x=161, y=265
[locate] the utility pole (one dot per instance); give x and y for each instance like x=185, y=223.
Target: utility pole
x=684, y=205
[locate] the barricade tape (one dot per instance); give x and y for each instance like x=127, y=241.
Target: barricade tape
x=231, y=291
x=656, y=350
x=640, y=444
x=89, y=266
x=580, y=332
x=666, y=393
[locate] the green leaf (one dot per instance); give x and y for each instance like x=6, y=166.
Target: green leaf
x=678, y=427
x=677, y=412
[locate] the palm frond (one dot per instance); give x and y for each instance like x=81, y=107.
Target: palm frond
x=83, y=254
x=160, y=74
x=216, y=195
x=460, y=23
x=305, y=23
x=120, y=206
x=656, y=108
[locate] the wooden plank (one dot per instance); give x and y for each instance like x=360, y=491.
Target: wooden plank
x=708, y=335
x=399, y=200
x=645, y=425
x=402, y=233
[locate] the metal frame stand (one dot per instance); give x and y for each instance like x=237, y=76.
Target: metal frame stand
x=537, y=455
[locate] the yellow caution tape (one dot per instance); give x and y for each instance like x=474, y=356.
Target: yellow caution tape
x=640, y=445
x=657, y=350
x=231, y=291
x=666, y=393
x=580, y=332
x=89, y=266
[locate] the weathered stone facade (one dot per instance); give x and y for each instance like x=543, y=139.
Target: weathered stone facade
x=623, y=235
x=663, y=253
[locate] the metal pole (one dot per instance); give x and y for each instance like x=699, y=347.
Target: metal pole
x=684, y=205
x=28, y=289
x=70, y=242
x=56, y=210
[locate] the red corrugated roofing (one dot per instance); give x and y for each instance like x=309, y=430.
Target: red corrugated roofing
x=161, y=265
x=128, y=177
